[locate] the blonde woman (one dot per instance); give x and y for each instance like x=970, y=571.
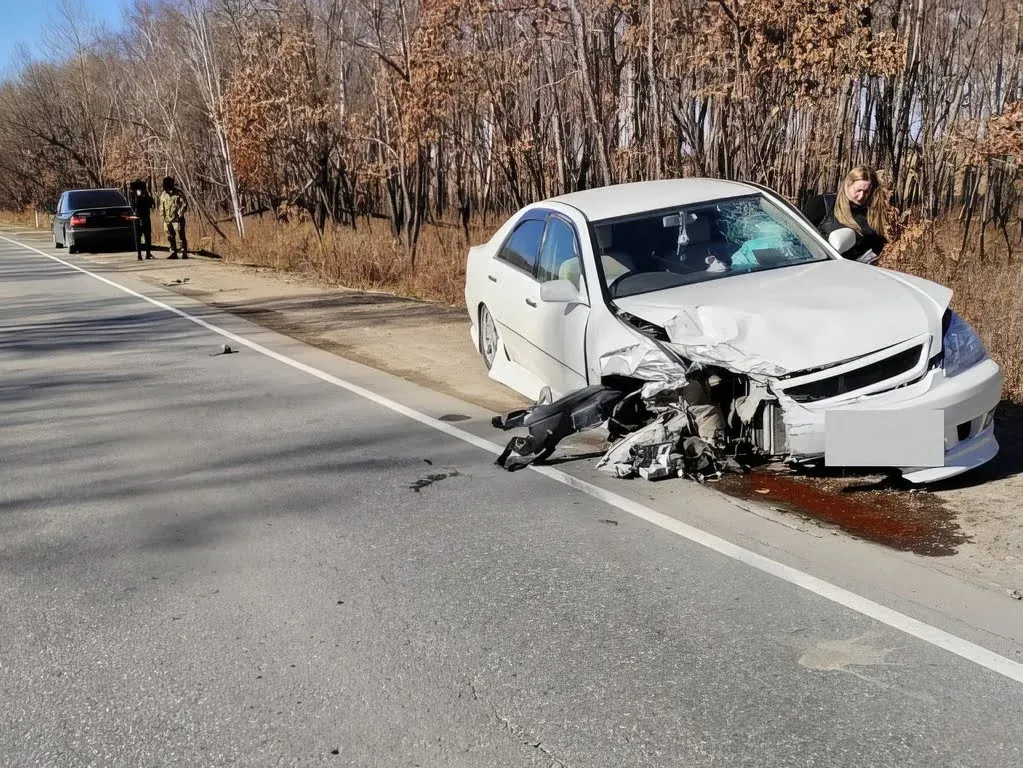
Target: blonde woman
x=858, y=206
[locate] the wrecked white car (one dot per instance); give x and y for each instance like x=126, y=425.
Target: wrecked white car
x=725, y=312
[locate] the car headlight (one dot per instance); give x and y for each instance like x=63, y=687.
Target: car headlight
x=961, y=346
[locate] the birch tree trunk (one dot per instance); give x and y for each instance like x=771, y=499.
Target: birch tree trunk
x=204, y=62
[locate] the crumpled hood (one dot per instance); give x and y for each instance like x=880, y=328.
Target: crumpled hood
x=793, y=318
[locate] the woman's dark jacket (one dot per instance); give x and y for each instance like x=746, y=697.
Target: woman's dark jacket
x=820, y=210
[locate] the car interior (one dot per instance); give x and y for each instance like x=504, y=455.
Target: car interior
x=663, y=248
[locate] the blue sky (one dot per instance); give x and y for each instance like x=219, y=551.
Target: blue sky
x=24, y=21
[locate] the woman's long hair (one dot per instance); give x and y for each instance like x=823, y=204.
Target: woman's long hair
x=874, y=202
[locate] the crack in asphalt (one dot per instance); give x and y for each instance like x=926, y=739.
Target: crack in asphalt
x=529, y=741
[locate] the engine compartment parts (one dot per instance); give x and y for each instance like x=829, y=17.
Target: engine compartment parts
x=656, y=430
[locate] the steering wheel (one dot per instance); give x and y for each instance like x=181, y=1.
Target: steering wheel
x=614, y=283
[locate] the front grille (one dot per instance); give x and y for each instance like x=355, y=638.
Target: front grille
x=851, y=381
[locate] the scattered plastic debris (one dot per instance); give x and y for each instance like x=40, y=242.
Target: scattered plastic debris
x=550, y=423
x=659, y=430
x=225, y=349
x=1016, y=594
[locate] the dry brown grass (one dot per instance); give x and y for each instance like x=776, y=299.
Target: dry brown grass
x=365, y=258
x=988, y=288
x=24, y=219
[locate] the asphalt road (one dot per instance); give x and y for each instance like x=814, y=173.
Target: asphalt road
x=215, y=560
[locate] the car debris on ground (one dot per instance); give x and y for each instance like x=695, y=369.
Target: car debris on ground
x=660, y=430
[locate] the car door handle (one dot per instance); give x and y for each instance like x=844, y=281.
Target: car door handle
x=530, y=302
x=491, y=278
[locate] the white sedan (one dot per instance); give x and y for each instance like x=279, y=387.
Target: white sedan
x=811, y=357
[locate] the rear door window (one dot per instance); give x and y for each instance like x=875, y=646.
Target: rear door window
x=522, y=249
x=95, y=198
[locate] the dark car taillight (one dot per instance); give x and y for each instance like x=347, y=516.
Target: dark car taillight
x=77, y=221
x=129, y=217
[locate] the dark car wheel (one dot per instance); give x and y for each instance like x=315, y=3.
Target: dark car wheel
x=69, y=241
x=56, y=243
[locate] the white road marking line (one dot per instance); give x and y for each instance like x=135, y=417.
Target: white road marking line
x=910, y=626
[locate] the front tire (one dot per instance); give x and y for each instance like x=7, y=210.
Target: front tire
x=488, y=337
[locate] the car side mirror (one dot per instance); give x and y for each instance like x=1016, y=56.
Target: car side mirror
x=559, y=292
x=842, y=239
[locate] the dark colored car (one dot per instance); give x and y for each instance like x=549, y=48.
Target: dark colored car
x=93, y=218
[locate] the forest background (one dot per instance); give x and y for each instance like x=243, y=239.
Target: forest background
x=370, y=142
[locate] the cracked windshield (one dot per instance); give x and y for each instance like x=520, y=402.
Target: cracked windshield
x=660, y=250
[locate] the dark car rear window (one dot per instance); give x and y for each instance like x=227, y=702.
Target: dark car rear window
x=95, y=198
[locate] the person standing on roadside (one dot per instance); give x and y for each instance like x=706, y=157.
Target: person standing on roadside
x=857, y=206
x=142, y=205
x=172, y=210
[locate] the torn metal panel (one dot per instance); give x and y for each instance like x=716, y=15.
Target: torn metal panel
x=643, y=360
x=792, y=319
x=717, y=335
x=668, y=391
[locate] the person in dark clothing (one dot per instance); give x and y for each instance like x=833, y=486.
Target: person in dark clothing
x=857, y=206
x=142, y=204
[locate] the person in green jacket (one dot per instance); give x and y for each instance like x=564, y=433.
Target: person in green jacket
x=172, y=210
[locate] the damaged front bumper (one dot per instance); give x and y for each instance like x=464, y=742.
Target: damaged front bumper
x=965, y=404
x=899, y=409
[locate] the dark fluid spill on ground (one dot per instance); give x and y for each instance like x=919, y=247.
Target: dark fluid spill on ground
x=910, y=522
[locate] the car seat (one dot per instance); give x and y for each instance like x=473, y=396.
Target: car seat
x=702, y=243
x=615, y=261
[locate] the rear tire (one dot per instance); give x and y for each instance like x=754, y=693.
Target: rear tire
x=56, y=243
x=70, y=243
x=489, y=340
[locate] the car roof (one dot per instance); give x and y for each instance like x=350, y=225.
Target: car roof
x=94, y=189
x=639, y=196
